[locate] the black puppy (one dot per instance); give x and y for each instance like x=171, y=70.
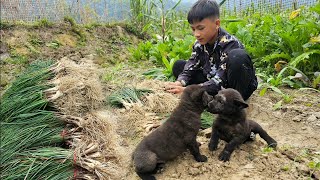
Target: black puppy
x=174, y=136
x=231, y=124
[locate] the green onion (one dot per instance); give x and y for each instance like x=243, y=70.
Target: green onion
x=29, y=133
x=126, y=96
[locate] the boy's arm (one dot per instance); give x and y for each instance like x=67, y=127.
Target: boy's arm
x=191, y=66
x=218, y=80
x=212, y=86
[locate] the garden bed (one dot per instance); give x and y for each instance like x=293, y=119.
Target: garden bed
x=99, y=66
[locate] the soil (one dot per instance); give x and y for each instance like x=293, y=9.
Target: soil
x=295, y=125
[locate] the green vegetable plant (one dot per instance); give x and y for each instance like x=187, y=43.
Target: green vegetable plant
x=291, y=37
x=163, y=54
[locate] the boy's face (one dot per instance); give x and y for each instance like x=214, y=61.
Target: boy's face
x=206, y=30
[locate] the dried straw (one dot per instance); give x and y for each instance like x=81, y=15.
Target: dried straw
x=78, y=89
x=98, y=150
x=78, y=94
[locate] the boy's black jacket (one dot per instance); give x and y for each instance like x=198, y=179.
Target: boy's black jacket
x=211, y=60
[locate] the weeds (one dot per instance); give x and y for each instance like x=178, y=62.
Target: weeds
x=54, y=44
x=17, y=60
x=5, y=24
x=43, y=23
x=76, y=28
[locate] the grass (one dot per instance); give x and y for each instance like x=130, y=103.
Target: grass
x=206, y=120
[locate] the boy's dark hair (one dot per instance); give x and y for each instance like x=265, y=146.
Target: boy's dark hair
x=203, y=9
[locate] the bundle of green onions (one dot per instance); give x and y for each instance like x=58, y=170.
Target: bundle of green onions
x=31, y=134
x=126, y=97
x=41, y=163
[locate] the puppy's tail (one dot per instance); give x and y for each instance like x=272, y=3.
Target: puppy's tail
x=146, y=176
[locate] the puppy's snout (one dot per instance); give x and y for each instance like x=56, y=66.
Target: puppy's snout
x=211, y=105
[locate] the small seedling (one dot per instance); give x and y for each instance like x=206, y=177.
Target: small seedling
x=285, y=168
x=314, y=166
x=267, y=149
x=278, y=105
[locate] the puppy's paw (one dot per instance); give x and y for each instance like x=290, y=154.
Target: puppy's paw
x=212, y=147
x=273, y=144
x=201, y=158
x=224, y=156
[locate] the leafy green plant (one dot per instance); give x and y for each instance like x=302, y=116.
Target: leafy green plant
x=5, y=24
x=162, y=73
x=274, y=37
x=163, y=54
x=35, y=40
x=142, y=52
x=316, y=82
x=155, y=73
x=113, y=72
x=281, y=79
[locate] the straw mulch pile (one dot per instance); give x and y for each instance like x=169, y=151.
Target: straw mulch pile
x=142, y=118
x=78, y=97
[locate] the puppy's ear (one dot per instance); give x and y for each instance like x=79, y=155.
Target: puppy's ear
x=240, y=103
x=206, y=98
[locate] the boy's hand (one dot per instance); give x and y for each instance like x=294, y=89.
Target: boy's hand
x=175, y=87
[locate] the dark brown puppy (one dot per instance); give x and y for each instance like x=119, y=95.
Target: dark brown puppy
x=231, y=124
x=174, y=136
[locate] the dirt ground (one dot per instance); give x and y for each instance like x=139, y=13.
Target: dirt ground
x=296, y=125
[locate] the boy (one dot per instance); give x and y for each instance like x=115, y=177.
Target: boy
x=217, y=60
